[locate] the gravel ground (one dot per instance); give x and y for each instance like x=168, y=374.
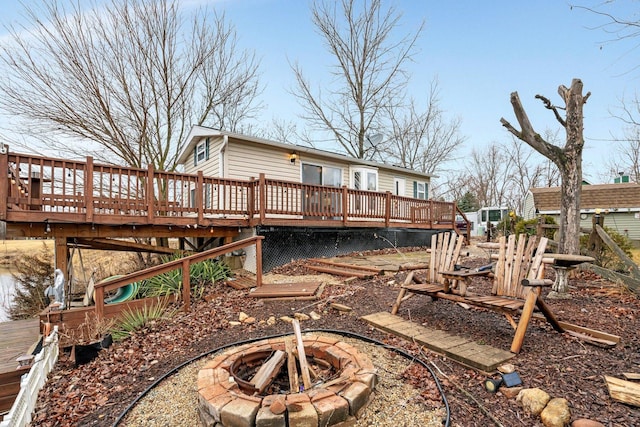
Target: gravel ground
x=174, y=401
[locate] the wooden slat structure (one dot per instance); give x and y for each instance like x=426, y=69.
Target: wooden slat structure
x=284, y=290
x=516, y=286
x=17, y=338
x=516, y=290
x=445, y=253
x=478, y=356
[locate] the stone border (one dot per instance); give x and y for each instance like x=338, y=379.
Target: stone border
x=222, y=402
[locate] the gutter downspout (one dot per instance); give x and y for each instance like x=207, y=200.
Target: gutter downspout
x=221, y=152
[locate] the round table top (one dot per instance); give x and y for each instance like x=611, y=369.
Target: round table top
x=569, y=259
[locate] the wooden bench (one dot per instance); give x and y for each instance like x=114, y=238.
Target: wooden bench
x=518, y=278
x=446, y=249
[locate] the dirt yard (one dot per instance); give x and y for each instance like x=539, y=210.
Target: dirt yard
x=97, y=393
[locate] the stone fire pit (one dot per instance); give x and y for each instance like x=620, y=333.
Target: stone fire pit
x=342, y=386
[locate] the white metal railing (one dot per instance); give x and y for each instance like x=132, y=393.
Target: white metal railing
x=31, y=383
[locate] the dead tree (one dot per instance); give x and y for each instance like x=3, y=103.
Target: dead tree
x=567, y=159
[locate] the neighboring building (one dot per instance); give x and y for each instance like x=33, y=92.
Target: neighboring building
x=620, y=203
x=228, y=155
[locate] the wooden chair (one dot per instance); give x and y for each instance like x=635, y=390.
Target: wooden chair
x=518, y=278
x=445, y=253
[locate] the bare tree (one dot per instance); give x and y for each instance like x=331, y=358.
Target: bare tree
x=626, y=158
x=131, y=77
x=368, y=73
x=491, y=176
x=422, y=141
x=528, y=171
x=568, y=159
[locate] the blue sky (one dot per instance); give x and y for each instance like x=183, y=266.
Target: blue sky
x=479, y=51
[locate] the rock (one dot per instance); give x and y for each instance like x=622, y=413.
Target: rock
x=242, y=316
x=583, y=422
x=510, y=392
x=507, y=368
x=315, y=316
x=556, y=413
x=287, y=319
x=271, y=321
x=301, y=316
x=234, y=323
x=249, y=320
x=533, y=400
x=340, y=307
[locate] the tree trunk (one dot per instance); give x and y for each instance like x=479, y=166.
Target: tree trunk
x=567, y=159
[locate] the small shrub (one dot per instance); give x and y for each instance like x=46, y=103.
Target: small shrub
x=507, y=225
x=529, y=226
x=201, y=274
x=33, y=274
x=133, y=320
x=606, y=257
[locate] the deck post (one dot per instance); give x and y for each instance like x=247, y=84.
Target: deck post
x=430, y=214
x=387, y=209
x=62, y=255
x=251, y=199
x=186, y=285
x=150, y=195
x=199, y=200
x=263, y=197
x=98, y=298
x=88, y=190
x=345, y=205
x=4, y=180
x=259, y=261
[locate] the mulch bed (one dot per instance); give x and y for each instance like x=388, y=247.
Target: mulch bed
x=98, y=392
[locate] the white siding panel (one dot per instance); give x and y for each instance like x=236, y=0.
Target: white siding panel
x=246, y=160
x=209, y=167
x=624, y=223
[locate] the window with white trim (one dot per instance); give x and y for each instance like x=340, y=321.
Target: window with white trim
x=201, y=153
x=364, y=178
x=420, y=190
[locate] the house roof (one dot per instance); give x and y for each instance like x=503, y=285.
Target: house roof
x=199, y=132
x=600, y=196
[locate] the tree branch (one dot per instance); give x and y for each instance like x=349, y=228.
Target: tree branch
x=549, y=106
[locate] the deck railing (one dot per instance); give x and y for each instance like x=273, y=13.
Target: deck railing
x=41, y=189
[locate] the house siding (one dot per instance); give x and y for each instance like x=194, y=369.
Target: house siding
x=245, y=159
x=209, y=167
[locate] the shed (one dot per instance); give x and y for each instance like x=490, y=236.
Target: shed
x=620, y=203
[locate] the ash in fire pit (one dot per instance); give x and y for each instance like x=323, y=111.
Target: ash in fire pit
x=310, y=380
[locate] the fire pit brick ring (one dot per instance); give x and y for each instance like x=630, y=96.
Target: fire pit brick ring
x=228, y=400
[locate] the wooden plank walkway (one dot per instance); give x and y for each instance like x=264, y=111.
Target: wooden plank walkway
x=478, y=356
x=16, y=339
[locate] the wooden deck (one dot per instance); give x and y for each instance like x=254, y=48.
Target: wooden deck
x=17, y=338
x=478, y=356
x=54, y=192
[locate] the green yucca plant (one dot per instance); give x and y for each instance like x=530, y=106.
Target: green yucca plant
x=133, y=320
x=201, y=273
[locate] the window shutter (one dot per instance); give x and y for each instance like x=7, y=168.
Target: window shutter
x=195, y=155
x=206, y=149
x=426, y=191
x=415, y=189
